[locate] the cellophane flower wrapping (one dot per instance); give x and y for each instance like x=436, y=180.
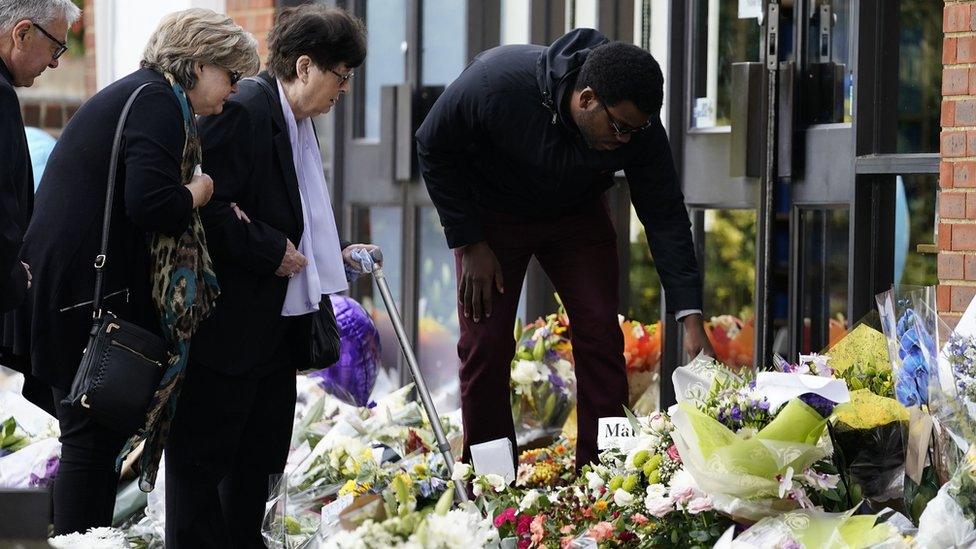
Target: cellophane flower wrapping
x=948, y=520
x=543, y=381
x=909, y=325
x=814, y=528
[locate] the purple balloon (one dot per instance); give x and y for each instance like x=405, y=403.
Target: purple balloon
x=352, y=377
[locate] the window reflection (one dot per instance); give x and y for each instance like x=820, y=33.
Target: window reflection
x=437, y=311
x=720, y=38
x=915, y=222
x=382, y=225
x=645, y=284
x=919, y=76
x=729, y=269
x=515, y=22
x=385, y=62
x=444, y=35
x=823, y=277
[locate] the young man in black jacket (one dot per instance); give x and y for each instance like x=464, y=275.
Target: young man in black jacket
x=517, y=155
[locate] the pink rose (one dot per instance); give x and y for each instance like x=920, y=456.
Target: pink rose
x=699, y=505
x=682, y=494
x=537, y=529
x=568, y=529
x=524, y=522
x=639, y=519
x=600, y=531
x=566, y=542
x=659, y=506
x=674, y=454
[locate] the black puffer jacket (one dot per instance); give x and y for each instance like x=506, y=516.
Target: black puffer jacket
x=499, y=139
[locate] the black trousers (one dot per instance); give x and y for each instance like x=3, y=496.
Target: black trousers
x=230, y=435
x=86, y=484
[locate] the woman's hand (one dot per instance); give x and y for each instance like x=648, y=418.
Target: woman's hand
x=351, y=261
x=201, y=187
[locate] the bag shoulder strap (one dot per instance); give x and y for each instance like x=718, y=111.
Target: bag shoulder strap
x=263, y=83
x=102, y=258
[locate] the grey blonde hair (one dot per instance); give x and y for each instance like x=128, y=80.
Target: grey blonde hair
x=42, y=12
x=200, y=35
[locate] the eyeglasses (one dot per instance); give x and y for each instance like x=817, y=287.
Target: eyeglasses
x=343, y=78
x=62, y=47
x=616, y=125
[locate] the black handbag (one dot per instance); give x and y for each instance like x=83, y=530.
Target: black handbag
x=324, y=345
x=123, y=364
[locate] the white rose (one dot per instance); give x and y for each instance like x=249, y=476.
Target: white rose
x=659, y=506
x=461, y=472
x=525, y=373
x=658, y=423
x=530, y=499
x=623, y=498
x=699, y=505
x=656, y=490
x=497, y=482
x=594, y=481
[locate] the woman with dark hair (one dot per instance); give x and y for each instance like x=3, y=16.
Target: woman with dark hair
x=277, y=253
x=157, y=272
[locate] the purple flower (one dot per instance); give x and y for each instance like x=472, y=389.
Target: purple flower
x=822, y=405
x=736, y=414
x=764, y=405
x=556, y=381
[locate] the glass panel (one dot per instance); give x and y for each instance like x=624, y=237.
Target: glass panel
x=515, y=22
x=651, y=20
x=645, y=284
x=729, y=265
x=830, y=82
x=919, y=76
x=385, y=63
x=915, y=222
x=437, y=312
x=382, y=225
x=581, y=14
x=720, y=38
x=444, y=44
x=823, y=277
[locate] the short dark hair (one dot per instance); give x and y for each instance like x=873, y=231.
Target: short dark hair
x=328, y=35
x=617, y=72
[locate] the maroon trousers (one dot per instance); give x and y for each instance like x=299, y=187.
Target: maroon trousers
x=579, y=254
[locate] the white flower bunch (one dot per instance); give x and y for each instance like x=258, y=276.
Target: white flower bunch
x=683, y=495
x=527, y=372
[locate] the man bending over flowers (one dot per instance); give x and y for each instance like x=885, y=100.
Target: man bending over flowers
x=517, y=155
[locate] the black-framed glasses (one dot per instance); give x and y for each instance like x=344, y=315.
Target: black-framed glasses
x=62, y=47
x=343, y=78
x=616, y=125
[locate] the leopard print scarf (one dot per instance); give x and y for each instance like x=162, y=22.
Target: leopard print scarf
x=185, y=290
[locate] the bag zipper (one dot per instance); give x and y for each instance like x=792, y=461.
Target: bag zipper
x=135, y=352
x=113, y=294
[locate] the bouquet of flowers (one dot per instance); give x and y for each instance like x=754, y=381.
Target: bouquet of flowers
x=908, y=321
x=542, y=378
x=752, y=445
x=732, y=339
x=29, y=448
x=547, y=467
x=434, y=527
x=642, y=355
x=948, y=520
x=816, y=528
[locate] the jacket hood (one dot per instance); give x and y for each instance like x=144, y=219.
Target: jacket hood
x=564, y=57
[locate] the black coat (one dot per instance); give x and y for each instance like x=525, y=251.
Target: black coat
x=247, y=152
x=64, y=235
x=16, y=204
x=499, y=139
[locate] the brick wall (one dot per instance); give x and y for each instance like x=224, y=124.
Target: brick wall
x=257, y=17
x=957, y=177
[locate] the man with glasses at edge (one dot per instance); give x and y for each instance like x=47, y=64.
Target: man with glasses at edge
x=517, y=155
x=32, y=34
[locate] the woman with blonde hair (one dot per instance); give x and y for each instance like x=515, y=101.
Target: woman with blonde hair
x=155, y=270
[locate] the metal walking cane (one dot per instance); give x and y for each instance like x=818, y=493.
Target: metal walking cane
x=369, y=262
